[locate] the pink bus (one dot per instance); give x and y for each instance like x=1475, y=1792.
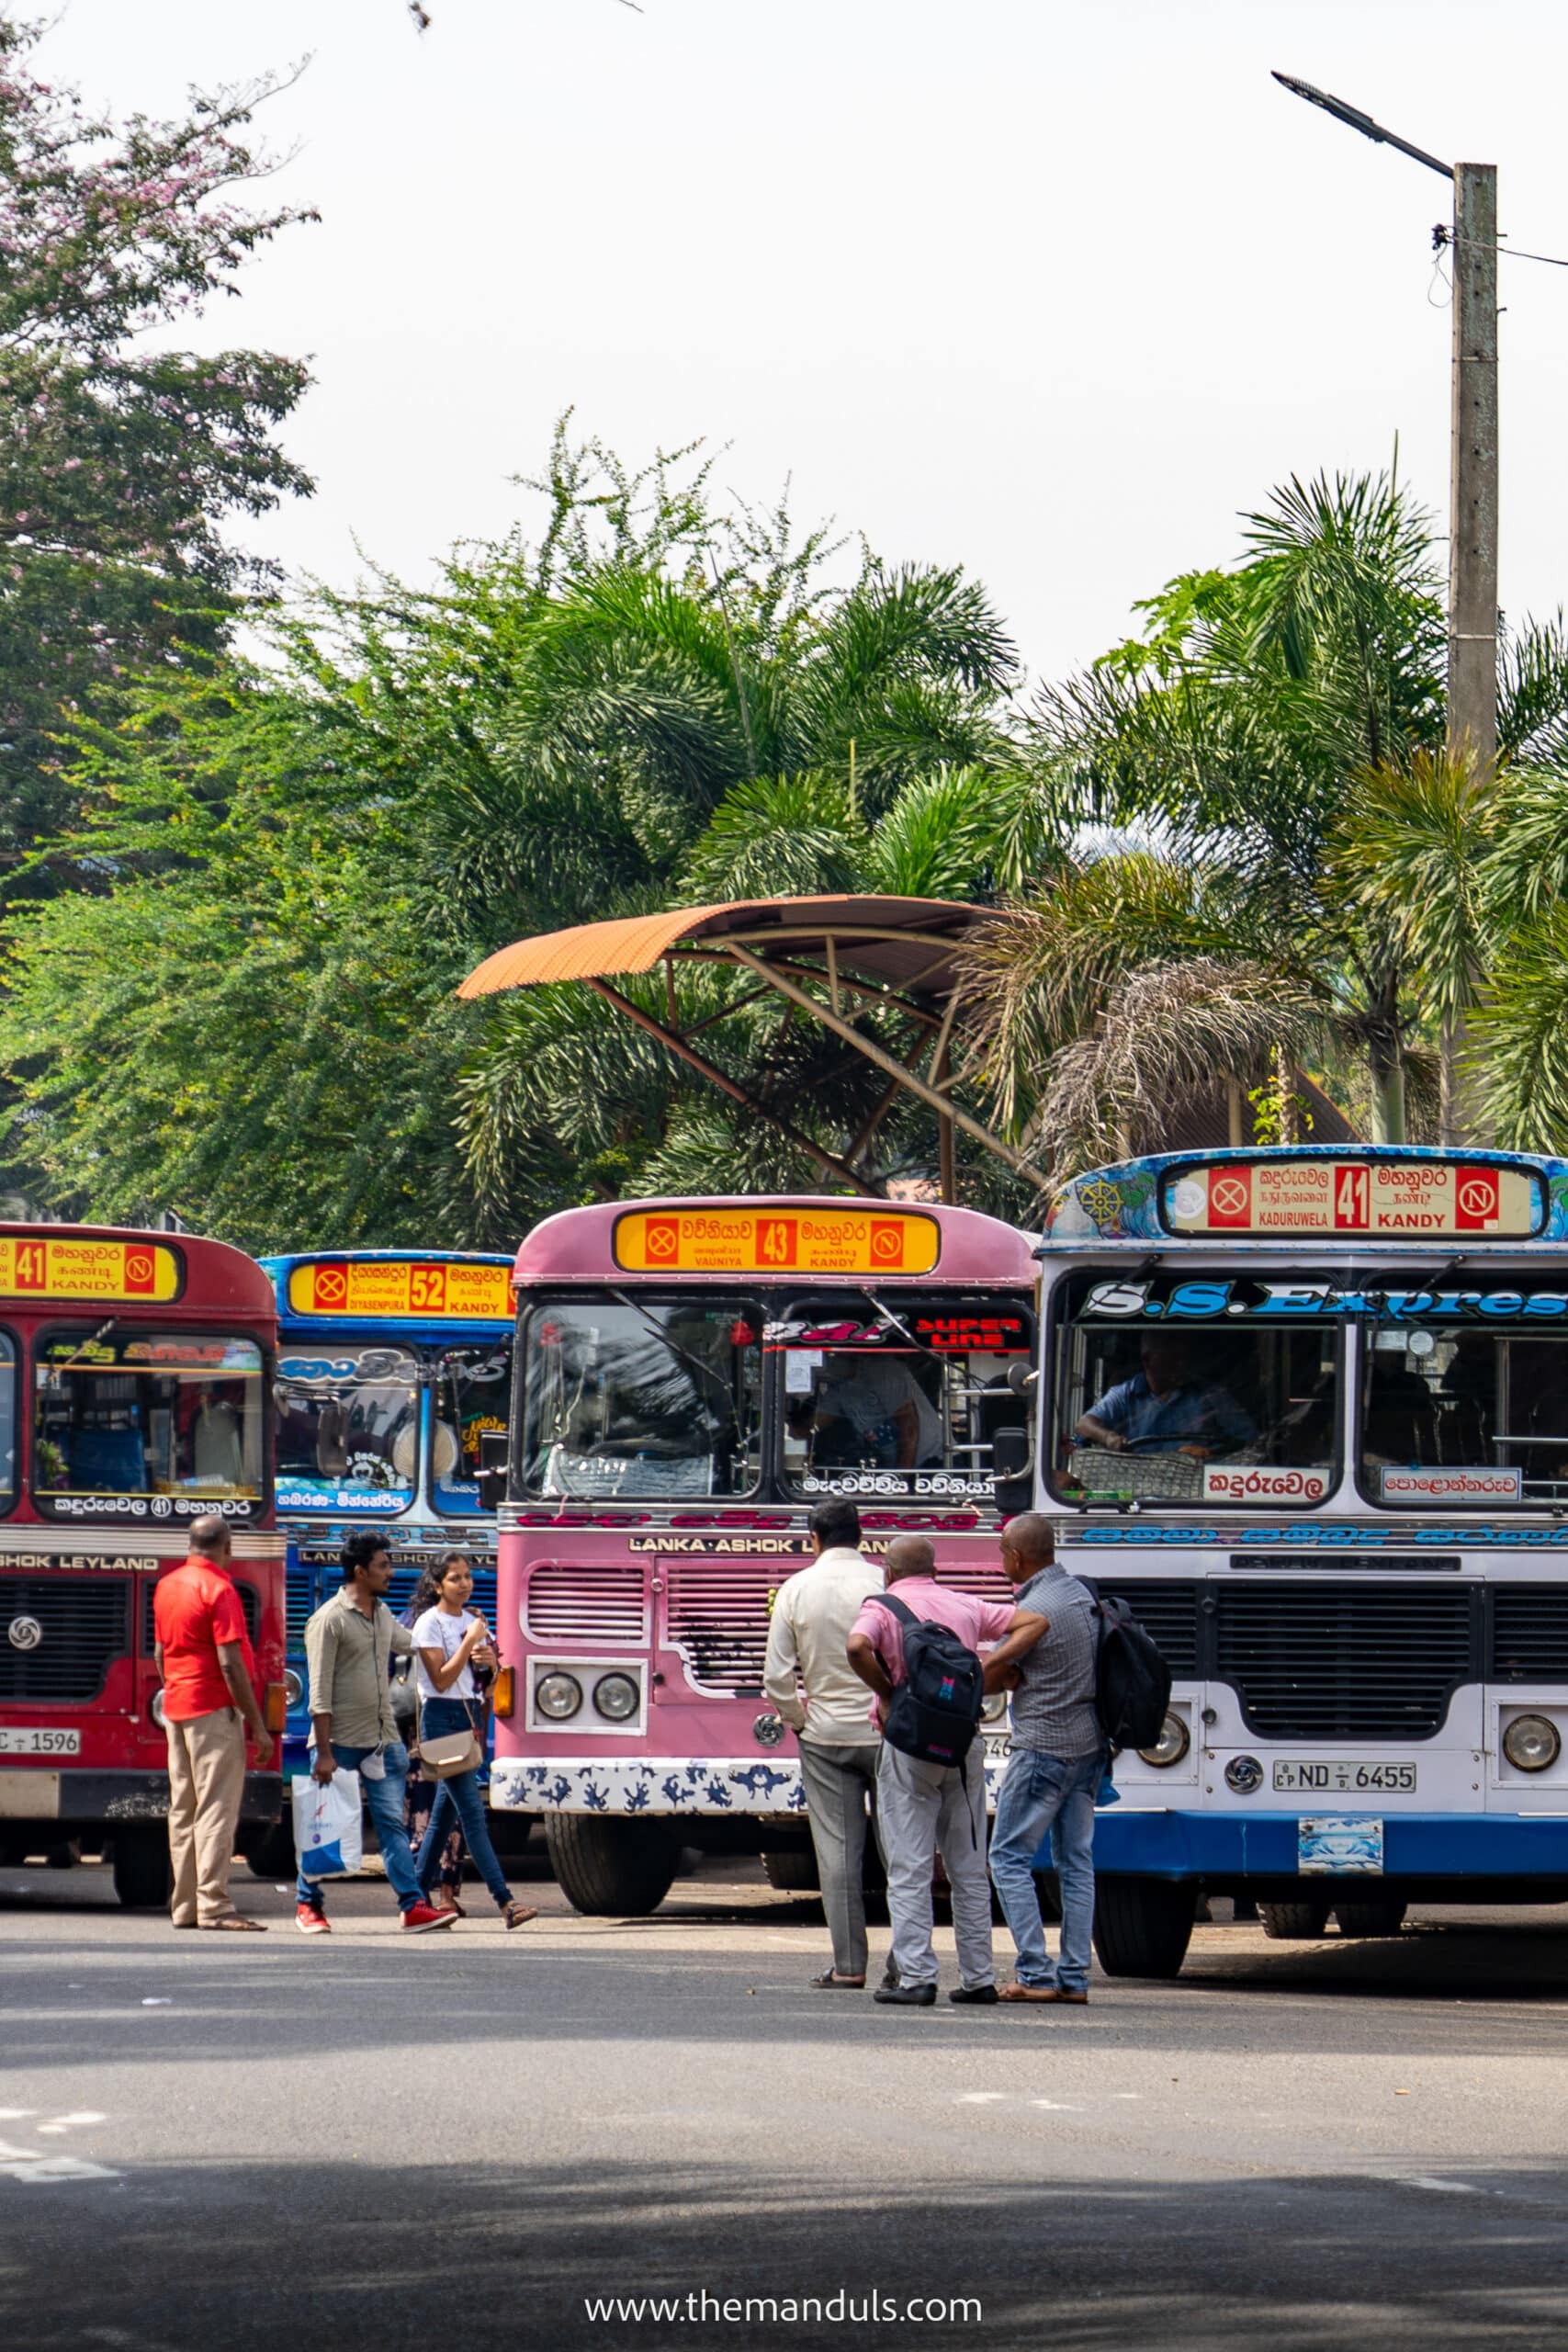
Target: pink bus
x=691, y=1377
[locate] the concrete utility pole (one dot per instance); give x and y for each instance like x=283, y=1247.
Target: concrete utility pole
x=1472, y=543
x=1472, y=496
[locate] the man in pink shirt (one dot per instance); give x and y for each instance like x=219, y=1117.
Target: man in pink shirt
x=926, y=1808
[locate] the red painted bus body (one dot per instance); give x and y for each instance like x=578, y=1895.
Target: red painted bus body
x=136, y=1375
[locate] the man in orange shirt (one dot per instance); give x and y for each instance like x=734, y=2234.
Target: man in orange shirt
x=210, y=1701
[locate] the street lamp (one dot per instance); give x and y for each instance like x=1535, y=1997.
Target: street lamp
x=1473, y=533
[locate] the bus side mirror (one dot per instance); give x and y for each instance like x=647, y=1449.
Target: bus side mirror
x=494, y=1446
x=1012, y=1471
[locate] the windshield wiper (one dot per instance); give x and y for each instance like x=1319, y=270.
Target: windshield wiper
x=705, y=1371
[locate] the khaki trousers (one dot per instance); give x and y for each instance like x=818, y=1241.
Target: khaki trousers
x=206, y=1781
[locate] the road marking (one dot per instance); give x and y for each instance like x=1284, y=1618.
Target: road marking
x=72, y=2123
x=16, y=2114
x=1057, y=2106
x=39, y=2165
x=1430, y=2180
x=979, y=2098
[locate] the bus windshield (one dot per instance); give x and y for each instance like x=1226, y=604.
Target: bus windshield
x=136, y=1414
x=473, y=1397
x=1458, y=1413
x=347, y=1427
x=901, y=1397
x=1179, y=1390
x=642, y=1398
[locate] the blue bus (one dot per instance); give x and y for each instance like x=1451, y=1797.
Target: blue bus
x=391, y=1368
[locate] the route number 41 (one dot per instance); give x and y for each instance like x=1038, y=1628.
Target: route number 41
x=1350, y=1200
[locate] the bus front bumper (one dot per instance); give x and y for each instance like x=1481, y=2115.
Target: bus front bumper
x=675, y=1786
x=1232, y=1847
x=91, y=1799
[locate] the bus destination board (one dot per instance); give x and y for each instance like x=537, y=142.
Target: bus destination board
x=782, y=1241
x=1443, y=1198
x=78, y=1267
x=376, y=1288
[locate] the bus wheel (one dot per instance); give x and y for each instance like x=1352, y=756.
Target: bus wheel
x=269, y=1848
x=1293, y=1923
x=792, y=1870
x=1384, y=1918
x=1142, y=1926
x=141, y=1879
x=620, y=1870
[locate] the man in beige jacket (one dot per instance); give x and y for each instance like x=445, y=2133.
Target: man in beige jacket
x=808, y=1679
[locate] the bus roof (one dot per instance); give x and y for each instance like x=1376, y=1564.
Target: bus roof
x=422, y=1294
x=779, y=1238
x=54, y=1266
x=1404, y=1194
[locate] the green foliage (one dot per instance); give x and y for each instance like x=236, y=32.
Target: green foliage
x=119, y=462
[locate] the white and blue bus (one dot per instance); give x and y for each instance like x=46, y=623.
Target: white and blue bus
x=1307, y=1411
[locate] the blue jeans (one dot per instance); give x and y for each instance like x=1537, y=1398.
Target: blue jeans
x=384, y=1802
x=459, y=1794
x=1041, y=1795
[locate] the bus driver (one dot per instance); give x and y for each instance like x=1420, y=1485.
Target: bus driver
x=1165, y=1409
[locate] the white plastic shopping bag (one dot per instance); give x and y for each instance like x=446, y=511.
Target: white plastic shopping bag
x=328, y=1837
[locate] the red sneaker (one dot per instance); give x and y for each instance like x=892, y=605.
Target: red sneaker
x=312, y=1922
x=423, y=1916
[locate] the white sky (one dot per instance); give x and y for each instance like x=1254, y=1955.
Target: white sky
x=1049, y=290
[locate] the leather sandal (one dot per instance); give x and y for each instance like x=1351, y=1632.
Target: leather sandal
x=235, y=1924
x=830, y=1980
x=1016, y=1992
x=517, y=1914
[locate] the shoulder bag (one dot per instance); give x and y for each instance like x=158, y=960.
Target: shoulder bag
x=451, y=1752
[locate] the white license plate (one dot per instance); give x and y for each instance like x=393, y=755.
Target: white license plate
x=1342, y=1777
x=39, y=1739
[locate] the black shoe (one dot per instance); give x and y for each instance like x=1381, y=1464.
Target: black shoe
x=907, y=1996
x=974, y=1996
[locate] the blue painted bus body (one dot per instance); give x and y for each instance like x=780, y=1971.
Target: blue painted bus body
x=370, y=1413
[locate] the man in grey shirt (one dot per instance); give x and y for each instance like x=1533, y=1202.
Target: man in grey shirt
x=1053, y=1773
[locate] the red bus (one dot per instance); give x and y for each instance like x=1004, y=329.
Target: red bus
x=136, y=1376
x=691, y=1377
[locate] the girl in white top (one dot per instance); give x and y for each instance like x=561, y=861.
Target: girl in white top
x=448, y=1641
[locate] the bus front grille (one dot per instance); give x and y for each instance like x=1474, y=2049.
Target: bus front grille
x=250, y=1604
x=1530, y=1633
x=83, y=1626
x=715, y=1614
x=1346, y=1661
x=567, y=1602
x=1167, y=1612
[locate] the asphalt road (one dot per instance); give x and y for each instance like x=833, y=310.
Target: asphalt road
x=385, y=2143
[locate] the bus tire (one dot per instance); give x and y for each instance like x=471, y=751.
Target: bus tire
x=1142, y=1926
x=1384, y=1918
x=1293, y=1923
x=792, y=1870
x=269, y=1848
x=142, y=1876
x=611, y=1869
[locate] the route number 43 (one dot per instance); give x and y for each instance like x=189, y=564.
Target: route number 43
x=1350, y=1200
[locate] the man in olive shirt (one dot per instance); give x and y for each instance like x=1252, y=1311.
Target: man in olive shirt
x=350, y=1643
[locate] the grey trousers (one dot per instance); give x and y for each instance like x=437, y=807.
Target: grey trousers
x=925, y=1809
x=838, y=1782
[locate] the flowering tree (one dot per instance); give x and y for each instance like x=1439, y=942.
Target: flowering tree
x=120, y=457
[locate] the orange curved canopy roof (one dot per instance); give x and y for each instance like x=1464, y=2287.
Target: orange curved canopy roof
x=899, y=940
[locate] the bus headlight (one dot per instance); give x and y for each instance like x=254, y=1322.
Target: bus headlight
x=1532, y=1744
x=1172, y=1744
x=557, y=1696
x=616, y=1698
x=993, y=1708
x=293, y=1687
x=157, y=1709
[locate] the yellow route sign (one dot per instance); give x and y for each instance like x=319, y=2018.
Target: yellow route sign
x=427, y=1287
x=74, y=1267
x=777, y=1241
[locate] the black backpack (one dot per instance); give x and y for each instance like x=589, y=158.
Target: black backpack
x=933, y=1711
x=1132, y=1680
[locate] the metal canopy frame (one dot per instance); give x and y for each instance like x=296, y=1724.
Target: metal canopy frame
x=841, y=957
